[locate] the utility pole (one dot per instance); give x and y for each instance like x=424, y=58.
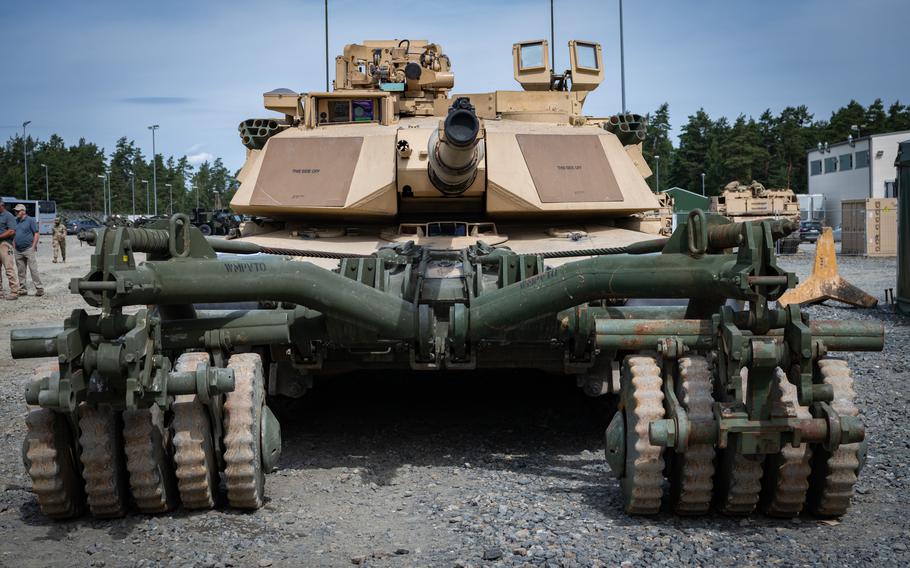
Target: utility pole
x=47, y=185
x=153, y=128
x=622, y=61
x=133, y=185
x=148, y=206
x=103, y=194
x=170, y=192
x=327, y=46
x=25, y=154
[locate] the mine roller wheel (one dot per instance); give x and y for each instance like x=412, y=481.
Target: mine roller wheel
x=147, y=444
x=49, y=453
x=194, y=455
x=738, y=484
x=243, y=407
x=691, y=482
x=786, y=475
x=835, y=473
x=102, y=460
x=643, y=403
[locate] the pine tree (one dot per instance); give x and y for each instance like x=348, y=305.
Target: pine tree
x=659, y=144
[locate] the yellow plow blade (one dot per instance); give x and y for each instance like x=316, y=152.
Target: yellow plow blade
x=826, y=283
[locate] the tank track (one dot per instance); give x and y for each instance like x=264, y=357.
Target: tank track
x=786, y=476
x=834, y=474
x=642, y=483
x=243, y=474
x=194, y=456
x=692, y=485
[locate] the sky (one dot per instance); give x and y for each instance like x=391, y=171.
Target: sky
x=102, y=69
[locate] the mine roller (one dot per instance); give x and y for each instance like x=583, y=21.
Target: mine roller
x=397, y=226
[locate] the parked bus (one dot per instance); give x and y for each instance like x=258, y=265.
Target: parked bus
x=43, y=211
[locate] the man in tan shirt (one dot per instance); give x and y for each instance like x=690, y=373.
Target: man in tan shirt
x=59, y=239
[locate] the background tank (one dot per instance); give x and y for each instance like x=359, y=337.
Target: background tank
x=406, y=229
x=754, y=202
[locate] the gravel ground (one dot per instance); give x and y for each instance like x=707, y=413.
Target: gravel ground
x=458, y=470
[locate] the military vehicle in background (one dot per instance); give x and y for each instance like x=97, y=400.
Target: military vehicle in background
x=656, y=221
x=402, y=227
x=740, y=203
x=215, y=222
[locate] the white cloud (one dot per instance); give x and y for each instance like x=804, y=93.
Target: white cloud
x=200, y=157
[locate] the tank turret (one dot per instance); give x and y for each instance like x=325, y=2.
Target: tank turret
x=389, y=141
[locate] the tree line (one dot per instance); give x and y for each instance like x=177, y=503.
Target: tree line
x=771, y=150
x=73, y=182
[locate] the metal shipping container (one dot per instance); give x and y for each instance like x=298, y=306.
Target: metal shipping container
x=869, y=226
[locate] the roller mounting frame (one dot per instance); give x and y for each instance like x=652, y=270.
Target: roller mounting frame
x=755, y=426
x=97, y=352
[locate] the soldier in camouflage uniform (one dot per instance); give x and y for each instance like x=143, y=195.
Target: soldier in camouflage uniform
x=59, y=239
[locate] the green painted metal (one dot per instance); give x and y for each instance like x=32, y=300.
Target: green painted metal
x=615, y=450
x=685, y=201
x=270, y=433
x=35, y=342
x=264, y=278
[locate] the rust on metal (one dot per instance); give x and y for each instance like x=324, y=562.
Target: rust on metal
x=826, y=283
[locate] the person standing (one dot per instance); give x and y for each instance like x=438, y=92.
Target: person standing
x=7, y=236
x=27, y=235
x=59, y=239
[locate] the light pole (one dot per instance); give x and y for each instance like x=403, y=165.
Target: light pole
x=25, y=154
x=153, y=128
x=47, y=184
x=196, y=189
x=703, y=183
x=148, y=205
x=657, y=159
x=103, y=194
x=170, y=192
x=133, y=186
x=327, y=45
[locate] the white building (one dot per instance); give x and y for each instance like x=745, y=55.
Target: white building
x=855, y=169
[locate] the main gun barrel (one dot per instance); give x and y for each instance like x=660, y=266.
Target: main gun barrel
x=455, y=152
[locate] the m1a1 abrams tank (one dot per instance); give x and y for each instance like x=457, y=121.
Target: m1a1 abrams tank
x=755, y=202
x=412, y=229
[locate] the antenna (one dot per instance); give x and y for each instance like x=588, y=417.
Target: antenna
x=327, y=45
x=622, y=61
x=552, y=41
